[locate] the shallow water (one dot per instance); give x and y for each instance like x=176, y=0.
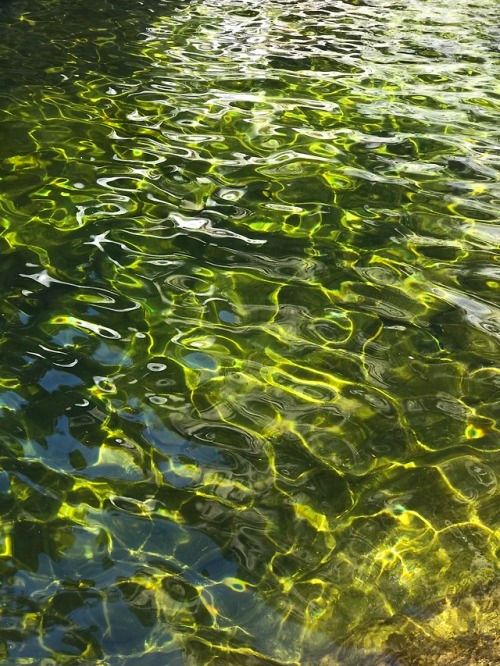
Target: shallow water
x=249, y=328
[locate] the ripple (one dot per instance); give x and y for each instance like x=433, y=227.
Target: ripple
x=249, y=382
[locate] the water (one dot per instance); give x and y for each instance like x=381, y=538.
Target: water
x=249, y=330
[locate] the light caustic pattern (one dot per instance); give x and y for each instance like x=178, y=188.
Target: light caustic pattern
x=249, y=330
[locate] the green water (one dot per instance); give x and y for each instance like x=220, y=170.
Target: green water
x=249, y=329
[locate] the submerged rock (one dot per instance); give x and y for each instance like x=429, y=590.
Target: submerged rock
x=462, y=632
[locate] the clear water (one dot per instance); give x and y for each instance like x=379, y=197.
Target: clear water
x=249, y=329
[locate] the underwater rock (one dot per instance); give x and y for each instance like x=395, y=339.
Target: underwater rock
x=462, y=632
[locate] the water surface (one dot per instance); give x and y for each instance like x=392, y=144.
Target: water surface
x=249, y=329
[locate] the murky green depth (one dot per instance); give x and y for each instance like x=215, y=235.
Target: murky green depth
x=249, y=329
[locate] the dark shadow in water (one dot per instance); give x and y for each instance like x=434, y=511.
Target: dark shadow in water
x=29, y=53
